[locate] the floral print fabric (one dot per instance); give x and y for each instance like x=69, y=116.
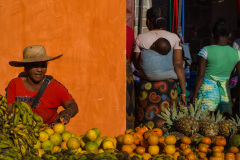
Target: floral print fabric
x=153, y=98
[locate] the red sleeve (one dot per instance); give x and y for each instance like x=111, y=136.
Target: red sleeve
x=11, y=91
x=63, y=93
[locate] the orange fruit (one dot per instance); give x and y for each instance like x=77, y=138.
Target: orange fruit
x=233, y=149
x=216, y=149
x=152, y=140
x=170, y=139
x=146, y=156
x=140, y=150
x=147, y=134
x=127, y=148
x=191, y=156
x=230, y=156
x=137, y=128
x=237, y=156
x=157, y=131
x=215, y=158
x=170, y=149
x=129, y=131
x=203, y=147
x=137, y=135
x=153, y=150
x=220, y=141
x=184, y=146
x=136, y=141
x=134, y=146
x=142, y=130
x=128, y=139
x=206, y=140
x=186, y=151
x=201, y=155
x=175, y=155
x=161, y=139
x=186, y=140
x=120, y=139
x=144, y=143
x=217, y=154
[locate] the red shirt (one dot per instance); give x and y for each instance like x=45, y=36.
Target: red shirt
x=55, y=95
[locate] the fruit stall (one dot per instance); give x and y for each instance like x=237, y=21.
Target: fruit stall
x=188, y=134
x=93, y=68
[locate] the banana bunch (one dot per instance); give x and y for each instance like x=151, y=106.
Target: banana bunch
x=24, y=138
x=33, y=154
x=23, y=113
x=3, y=108
x=7, y=149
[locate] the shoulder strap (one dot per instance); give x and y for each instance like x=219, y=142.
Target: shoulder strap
x=44, y=85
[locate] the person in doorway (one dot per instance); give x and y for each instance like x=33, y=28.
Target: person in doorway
x=216, y=62
x=25, y=88
x=155, y=95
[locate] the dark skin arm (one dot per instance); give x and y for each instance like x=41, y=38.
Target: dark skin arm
x=200, y=76
x=71, y=109
x=136, y=60
x=178, y=68
x=237, y=87
x=9, y=109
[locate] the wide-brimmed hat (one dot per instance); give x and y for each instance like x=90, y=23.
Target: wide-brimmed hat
x=34, y=53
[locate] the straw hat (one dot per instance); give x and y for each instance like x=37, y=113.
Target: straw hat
x=34, y=53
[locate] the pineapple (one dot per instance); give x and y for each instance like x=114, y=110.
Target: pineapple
x=187, y=125
x=209, y=126
x=227, y=128
x=237, y=121
x=171, y=116
x=184, y=121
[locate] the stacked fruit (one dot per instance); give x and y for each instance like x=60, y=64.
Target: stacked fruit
x=143, y=142
x=7, y=148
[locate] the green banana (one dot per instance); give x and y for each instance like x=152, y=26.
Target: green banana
x=16, y=119
x=24, y=118
x=26, y=137
x=21, y=109
x=3, y=145
x=30, y=119
x=5, y=157
x=3, y=107
x=4, y=99
x=15, y=104
x=3, y=136
x=23, y=150
x=27, y=108
x=37, y=118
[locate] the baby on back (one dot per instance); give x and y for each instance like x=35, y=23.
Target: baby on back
x=162, y=46
x=156, y=62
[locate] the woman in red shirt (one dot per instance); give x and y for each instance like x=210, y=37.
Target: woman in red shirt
x=25, y=88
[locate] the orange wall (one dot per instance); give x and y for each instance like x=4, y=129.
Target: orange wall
x=91, y=36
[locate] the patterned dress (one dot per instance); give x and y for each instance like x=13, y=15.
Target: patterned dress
x=130, y=98
x=214, y=92
x=153, y=98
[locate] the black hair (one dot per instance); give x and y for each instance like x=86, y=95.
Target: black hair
x=220, y=28
x=154, y=15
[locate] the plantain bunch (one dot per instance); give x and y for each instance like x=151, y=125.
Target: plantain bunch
x=23, y=113
x=8, y=151
x=24, y=138
x=3, y=109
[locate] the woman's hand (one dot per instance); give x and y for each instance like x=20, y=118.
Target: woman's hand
x=182, y=100
x=65, y=115
x=71, y=109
